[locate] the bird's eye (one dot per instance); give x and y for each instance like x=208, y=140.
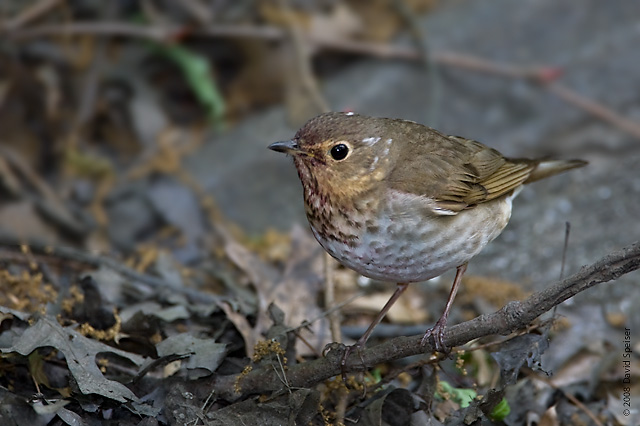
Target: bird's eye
x=339, y=152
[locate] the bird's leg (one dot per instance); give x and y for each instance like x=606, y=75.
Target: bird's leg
x=362, y=340
x=438, y=328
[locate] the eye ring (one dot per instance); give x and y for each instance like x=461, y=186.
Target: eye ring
x=339, y=151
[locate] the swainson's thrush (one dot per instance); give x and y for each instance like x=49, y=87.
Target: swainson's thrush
x=398, y=201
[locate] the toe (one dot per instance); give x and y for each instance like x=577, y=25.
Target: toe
x=437, y=331
x=343, y=362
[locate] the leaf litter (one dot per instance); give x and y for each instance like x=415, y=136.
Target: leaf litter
x=182, y=298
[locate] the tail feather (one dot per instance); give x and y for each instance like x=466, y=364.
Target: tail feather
x=546, y=168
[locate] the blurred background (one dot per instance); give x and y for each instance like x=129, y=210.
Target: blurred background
x=138, y=129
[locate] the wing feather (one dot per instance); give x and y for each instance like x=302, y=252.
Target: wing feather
x=456, y=173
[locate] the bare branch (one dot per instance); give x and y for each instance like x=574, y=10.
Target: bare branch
x=511, y=317
x=29, y=14
x=542, y=76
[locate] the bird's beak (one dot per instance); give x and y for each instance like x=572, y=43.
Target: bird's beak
x=288, y=147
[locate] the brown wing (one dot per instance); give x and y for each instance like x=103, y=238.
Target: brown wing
x=456, y=173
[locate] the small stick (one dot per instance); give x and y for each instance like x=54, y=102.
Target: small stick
x=29, y=14
x=570, y=397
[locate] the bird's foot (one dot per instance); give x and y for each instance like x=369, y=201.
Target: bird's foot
x=437, y=331
x=347, y=351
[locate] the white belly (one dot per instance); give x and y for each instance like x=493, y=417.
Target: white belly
x=404, y=249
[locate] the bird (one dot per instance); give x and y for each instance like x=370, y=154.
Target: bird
x=401, y=202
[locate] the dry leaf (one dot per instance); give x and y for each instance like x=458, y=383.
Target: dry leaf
x=549, y=418
x=80, y=353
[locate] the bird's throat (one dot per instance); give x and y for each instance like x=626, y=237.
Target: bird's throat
x=327, y=216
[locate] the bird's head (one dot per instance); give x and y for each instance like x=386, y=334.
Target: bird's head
x=340, y=154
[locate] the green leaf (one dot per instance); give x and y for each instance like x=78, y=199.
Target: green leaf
x=376, y=376
x=501, y=411
x=199, y=77
x=462, y=397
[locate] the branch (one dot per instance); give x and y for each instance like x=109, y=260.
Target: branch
x=29, y=14
x=511, y=317
x=542, y=76
x=158, y=33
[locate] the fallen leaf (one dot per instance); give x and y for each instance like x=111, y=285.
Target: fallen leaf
x=550, y=417
x=294, y=291
x=624, y=417
x=516, y=352
x=80, y=353
x=204, y=353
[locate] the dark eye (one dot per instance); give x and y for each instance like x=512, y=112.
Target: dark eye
x=339, y=152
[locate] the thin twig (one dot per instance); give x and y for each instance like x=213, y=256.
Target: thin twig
x=469, y=347
x=302, y=54
x=420, y=39
x=570, y=397
x=119, y=29
x=330, y=298
x=199, y=11
x=43, y=195
x=541, y=75
x=567, y=231
x=595, y=109
x=474, y=63
x=91, y=85
x=29, y=14
x=283, y=377
x=325, y=313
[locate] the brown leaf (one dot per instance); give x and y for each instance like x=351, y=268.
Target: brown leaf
x=294, y=291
